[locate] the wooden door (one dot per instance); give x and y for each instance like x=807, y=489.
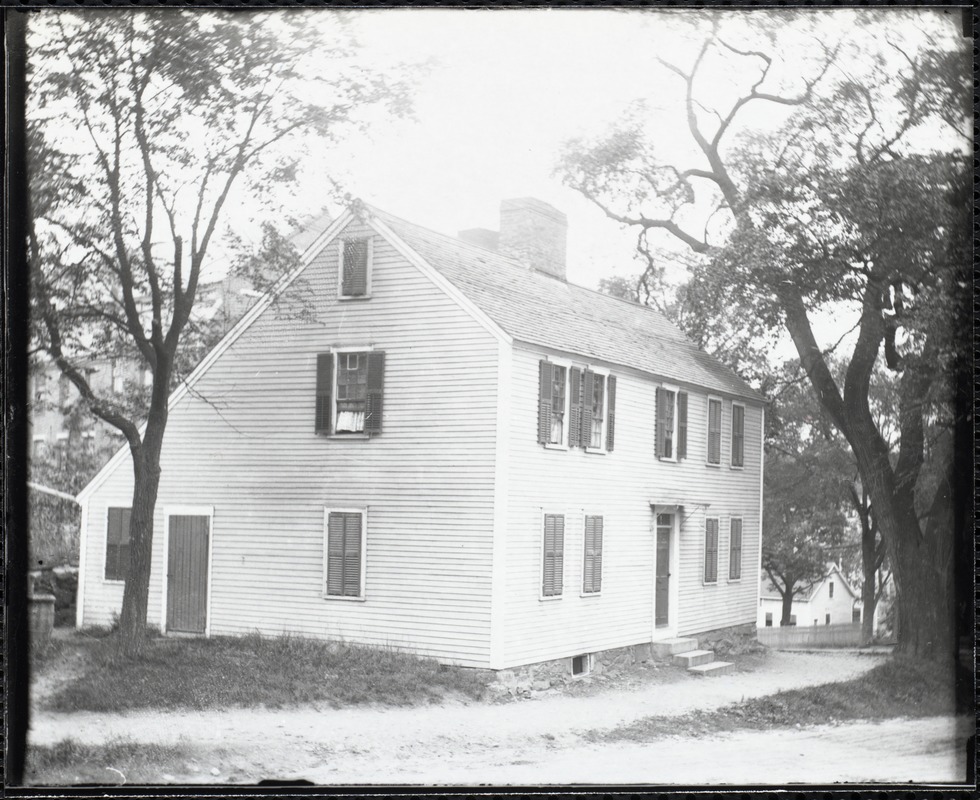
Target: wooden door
x=187, y=574
x=665, y=523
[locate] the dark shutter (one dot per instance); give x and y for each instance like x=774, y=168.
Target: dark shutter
x=335, y=554
x=658, y=447
x=738, y=435
x=554, y=543
x=374, y=405
x=344, y=554
x=545, y=384
x=714, y=431
x=711, y=550
x=588, y=396
x=352, y=554
x=592, y=572
x=355, y=268
x=611, y=412
x=735, y=554
x=681, y=425
x=324, y=385
x=574, y=407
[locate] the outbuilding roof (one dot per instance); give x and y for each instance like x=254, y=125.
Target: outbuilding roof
x=539, y=309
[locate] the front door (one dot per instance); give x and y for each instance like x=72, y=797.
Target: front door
x=187, y=573
x=665, y=524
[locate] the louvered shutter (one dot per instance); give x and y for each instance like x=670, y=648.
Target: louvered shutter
x=559, y=553
x=681, y=425
x=592, y=573
x=574, y=407
x=117, y=544
x=324, y=386
x=658, y=447
x=374, y=404
x=548, y=578
x=352, y=554
x=355, y=268
x=610, y=412
x=738, y=429
x=546, y=377
x=711, y=551
x=714, y=431
x=735, y=555
x=588, y=393
x=335, y=554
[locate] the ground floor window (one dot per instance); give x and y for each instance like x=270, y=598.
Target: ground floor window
x=856, y=615
x=344, y=562
x=827, y=620
x=768, y=619
x=553, y=555
x=117, y=544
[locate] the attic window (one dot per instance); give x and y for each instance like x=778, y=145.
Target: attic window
x=355, y=268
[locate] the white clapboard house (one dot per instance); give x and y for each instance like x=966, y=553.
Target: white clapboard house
x=439, y=444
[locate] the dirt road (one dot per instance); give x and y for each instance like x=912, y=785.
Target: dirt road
x=537, y=740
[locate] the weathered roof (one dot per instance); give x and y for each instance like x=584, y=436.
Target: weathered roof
x=539, y=309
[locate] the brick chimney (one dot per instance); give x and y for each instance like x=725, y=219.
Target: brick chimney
x=534, y=233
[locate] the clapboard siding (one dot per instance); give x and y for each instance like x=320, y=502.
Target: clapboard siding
x=243, y=442
x=621, y=485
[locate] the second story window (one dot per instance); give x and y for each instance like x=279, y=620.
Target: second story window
x=350, y=393
x=671, y=424
x=714, y=431
x=576, y=407
x=355, y=268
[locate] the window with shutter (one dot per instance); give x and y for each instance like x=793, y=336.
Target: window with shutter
x=711, y=550
x=592, y=561
x=738, y=435
x=682, y=425
x=355, y=267
x=735, y=550
x=667, y=424
x=350, y=393
x=344, y=559
x=553, y=550
x=714, y=431
x=117, y=544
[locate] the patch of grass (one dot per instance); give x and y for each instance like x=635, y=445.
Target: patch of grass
x=252, y=670
x=900, y=687
x=115, y=762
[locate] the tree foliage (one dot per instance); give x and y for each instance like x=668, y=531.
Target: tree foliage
x=853, y=204
x=148, y=129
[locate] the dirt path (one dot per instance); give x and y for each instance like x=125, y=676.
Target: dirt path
x=487, y=742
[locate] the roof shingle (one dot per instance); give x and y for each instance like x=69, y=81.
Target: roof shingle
x=539, y=309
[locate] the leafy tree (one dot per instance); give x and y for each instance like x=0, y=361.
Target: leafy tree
x=856, y=204
x=149, y=127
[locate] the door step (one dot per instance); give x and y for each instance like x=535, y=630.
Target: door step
x=666, y=648
x=693, y=658
x=712, y=668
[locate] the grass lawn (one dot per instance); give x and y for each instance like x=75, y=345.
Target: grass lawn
x=897, y=688
x=115, y=762
x=251, y=671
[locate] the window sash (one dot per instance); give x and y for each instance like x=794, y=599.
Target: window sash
x=117, y=544
x=738, y=435
x=714, y=431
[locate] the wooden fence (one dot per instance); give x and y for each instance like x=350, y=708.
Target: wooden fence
x=793, y=637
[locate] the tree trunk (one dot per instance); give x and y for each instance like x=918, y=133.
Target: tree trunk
x=787, y=609
x=146, y=474
x=869, y=596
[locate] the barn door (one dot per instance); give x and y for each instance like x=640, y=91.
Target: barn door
x=187, y=573
x=665, y=524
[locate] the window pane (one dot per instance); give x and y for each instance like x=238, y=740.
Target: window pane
x=351, y=392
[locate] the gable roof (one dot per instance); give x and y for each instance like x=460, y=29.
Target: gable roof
x=539, y=309
x=770, y=591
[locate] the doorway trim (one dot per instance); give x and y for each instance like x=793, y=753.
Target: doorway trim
x=192, y=511
x=668, y=631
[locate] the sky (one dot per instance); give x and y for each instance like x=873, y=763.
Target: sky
x=502, y=91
